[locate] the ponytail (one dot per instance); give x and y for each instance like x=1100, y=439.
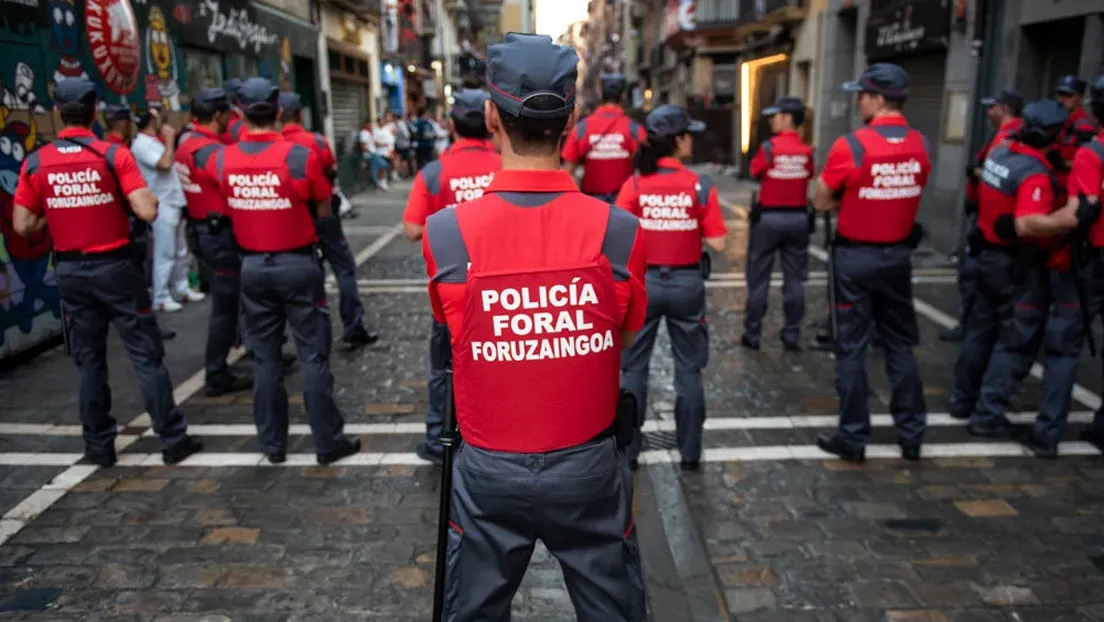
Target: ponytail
x=649, y=153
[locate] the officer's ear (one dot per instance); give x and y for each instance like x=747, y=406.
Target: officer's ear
x=490, y=113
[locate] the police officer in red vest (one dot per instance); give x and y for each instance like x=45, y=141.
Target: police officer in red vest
x=538, y=319
x=1086, y=183
x=331, y=237
x=461, y=174
x=271, y=185
x=875, y=176
x=120, y=124
x=211, y=235
x=604, y=143
x=70, y=186
x=1079, y=126
x=236, y=124
x=1005, y=112
x=1027, y=297
x=677, y=210
x=783, y=167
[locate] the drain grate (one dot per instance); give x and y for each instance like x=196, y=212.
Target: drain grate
x=660, y=440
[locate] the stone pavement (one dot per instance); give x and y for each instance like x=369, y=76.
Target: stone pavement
x=770, y=530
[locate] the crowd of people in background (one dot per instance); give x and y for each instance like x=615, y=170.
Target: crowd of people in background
x=393, y=147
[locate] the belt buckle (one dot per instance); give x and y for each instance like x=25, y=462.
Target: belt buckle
x=664, y=272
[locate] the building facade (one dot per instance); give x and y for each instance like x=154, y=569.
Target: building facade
x=351, y=43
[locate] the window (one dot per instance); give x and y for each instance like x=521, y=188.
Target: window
x=202, y=69
x=241, y=66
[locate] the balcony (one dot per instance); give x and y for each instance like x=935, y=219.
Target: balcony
x=711, y=14
x=362, y=8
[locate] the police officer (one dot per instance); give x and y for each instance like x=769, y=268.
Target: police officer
x=875, y=176
x=1024, y=301
x=1078, y=128
x=604, y=143
x=677, y=209
x=1005, y=112
x=331, y=237
x=70, y=186
x=270, y=184
x=120, y=124
x=531, y=316
x=236, y=124
x=783, y=166
x=461, y=174
x=211, y=235
x=1086, y=182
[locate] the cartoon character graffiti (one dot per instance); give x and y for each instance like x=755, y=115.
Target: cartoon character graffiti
x=21, y=94
x=66, y=37
x=26, y=278
x=161, y=59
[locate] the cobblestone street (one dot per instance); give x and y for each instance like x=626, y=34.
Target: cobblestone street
x=769, y=531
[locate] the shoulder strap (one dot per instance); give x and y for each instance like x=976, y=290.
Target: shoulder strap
x=107, y=161
x=768, y=151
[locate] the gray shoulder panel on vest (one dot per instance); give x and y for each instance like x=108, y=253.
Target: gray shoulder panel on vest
x=109, y=155
x=705, y=186
x=768, y=150
x=857, y=150
x=446, y=245
x=618, y=242
x=297, y=161
x=218, y=165
x=33, y=163
x=528, y=199
x=927, y=144
x=1097, y=147
x=666, y=170
x=204, y=153
x=253, y=147
x=431, y=175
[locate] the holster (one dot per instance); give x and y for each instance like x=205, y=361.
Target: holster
x=628, y=419
x=755, y=213
x=811, y=214
x=706, y=265
x=216, y=221
x=915, y=237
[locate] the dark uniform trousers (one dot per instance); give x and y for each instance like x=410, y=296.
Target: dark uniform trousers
x=967, y=277
x=440, y=362
x=1094, y=290
x=679, y=297
x=98, y=291
x=1038, y=308
x=577, y=501
x=787, y=233
x=874, y=290
x=218, y=254
x=279, y=289
x=336, y=252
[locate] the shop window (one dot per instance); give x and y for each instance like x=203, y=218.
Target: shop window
x=202, y=69
x=241, y=66
x=362, y=68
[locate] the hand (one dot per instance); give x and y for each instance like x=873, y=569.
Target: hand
x=1005, y=228
x=168, y=133
x=1087, y=211
x=972, y=171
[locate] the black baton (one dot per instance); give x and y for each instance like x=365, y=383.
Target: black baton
x=449, y=440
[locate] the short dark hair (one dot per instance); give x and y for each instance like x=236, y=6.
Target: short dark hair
x=78, y=115
x=535, y=136
x=894, y=104
x=470, y=126
x=260, y=118
x=291, y=116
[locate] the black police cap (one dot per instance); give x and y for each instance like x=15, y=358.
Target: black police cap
x=290, y=102
x=1096, y=94
x=210, y=101
x=468, y=103
x=613, y=85
x=1045, y=114
x=1012, y=99
x=231, y=87
x=75, y=92
x=118, y=112
x=524, y=66
x=259, y=95
x=787, y=104
x=1071, y=85
x=885, y=79
x=671, y=120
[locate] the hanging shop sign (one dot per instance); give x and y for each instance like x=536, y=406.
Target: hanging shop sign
x=914, y=27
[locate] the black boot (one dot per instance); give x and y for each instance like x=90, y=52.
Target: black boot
x=837, y=446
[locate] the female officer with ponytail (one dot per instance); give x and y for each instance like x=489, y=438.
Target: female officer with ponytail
x=677, y=209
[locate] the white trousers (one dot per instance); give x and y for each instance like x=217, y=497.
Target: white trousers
x=170, y=254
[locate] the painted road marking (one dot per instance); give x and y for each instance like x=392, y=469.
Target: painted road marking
x=21, y=515
x=43, y=498
x=935, y=420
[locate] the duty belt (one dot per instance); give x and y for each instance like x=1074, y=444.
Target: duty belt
x=841, y=241
x=123, y=252
x=665, y=271
x=309, y=250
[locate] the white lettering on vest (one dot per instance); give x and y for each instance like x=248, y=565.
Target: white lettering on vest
x=540, y=311
x=256, y=192
x=607, y=147
x=667, y=212
x=994, y=173
x=466, y=189
x=73, y=189
x=789, y=166
x=893, y=180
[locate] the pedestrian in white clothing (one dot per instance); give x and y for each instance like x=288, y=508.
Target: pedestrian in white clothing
x=153, y=150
